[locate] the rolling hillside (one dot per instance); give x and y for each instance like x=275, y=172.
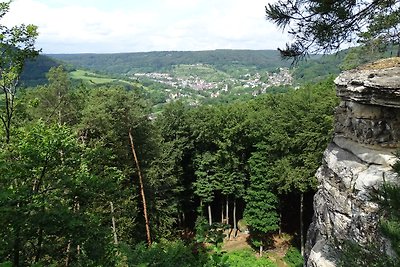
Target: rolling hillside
x=35, y=70
x=128, y=63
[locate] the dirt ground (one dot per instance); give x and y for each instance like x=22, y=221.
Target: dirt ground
x=276, y=254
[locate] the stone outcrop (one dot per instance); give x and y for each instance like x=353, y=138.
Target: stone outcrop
x=359, y=158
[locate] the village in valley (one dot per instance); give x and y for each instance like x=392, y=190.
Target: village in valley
x=192, y=86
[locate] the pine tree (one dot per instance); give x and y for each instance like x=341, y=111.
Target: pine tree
x=323, y=26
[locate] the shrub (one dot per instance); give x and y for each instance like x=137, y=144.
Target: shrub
x=246, y=258
x=293, y=257
x=167, y=254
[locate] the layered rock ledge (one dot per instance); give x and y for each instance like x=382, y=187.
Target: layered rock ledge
x=359, y=158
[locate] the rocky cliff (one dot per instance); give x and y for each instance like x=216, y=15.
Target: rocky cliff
x=367, y=133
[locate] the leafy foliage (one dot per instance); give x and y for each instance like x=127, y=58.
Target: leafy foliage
x=246, y=258
x=355, y=255
x=46, y=199
x=17, y=44
x=223, y=60
x=35, y=70
x=293, y=257
x=165, y=254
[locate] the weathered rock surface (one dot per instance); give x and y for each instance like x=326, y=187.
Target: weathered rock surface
x=367, y=133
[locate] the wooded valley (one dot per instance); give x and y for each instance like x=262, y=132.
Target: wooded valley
x=71, y=190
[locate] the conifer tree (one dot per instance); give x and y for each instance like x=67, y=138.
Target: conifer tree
x=323, y=26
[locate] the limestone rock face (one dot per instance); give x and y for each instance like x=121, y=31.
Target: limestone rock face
x=367, y=133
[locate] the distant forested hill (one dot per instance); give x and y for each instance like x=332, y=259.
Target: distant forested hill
x=234, y=63
x=35, y=70
x=224, y=60
x=318, y=68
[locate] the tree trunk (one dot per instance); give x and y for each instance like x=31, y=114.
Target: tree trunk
x=75, y=209
x=78, y=207
x=39, y=245
x=67, y=252
x=146, y=218
x=222, y=212
x=209, y=214
x=59, y=111
x=234, y=219
x=114, y=228
x=9, y=95
x=301, y=224
x=227, y=217
x=261, y=250
x=17, y=244
x=227, y=210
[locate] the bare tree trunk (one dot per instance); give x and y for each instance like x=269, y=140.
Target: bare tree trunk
x=6, y=115
x=261, y=250
x=301, y=224
x=222, y=212
x=114, y=228
x=209, y=214
x=234, y=219
x=78, y=247
x=36, y=187
x=227, y=210
x=141, y=189
x=59, y=111
x=227, y=217
x=17, y=244
x=39, y=245
x=67, y=252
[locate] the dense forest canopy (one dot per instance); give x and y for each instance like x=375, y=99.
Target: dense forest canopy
x=124, y=63
x=69, y=162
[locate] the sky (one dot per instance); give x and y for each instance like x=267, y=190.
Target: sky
x=114, y=26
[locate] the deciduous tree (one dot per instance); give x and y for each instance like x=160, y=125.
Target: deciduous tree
x=17, y=44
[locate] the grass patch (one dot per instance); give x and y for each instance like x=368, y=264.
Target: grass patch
x=96, y=79
x=90, y=77
x=247, y=258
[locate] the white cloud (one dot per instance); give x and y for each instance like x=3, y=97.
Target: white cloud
x=148, y=26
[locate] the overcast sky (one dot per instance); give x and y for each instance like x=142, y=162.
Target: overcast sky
x=110, y=26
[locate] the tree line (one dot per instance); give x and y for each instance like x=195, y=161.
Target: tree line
x=225, y=60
